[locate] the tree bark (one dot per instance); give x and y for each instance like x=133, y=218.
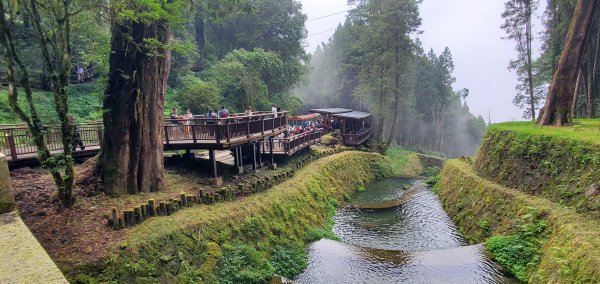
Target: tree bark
x=381, y=105
x=557, y=110
x=131, y=160
x=529, y=64
x=200, y=40
x=574, y=103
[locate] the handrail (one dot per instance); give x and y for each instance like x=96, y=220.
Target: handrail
x=353, y=139
x=217, y=132
x=292, y=144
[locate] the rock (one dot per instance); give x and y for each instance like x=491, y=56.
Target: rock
x=592, y=190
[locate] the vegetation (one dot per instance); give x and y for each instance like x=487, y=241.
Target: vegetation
x=521, y=252
x=518, y=26
x=85, y=104
x=372, y=64
x=586, y=130
x=560, y=165
x=244, y=241
x=404, y=162
x=570, y=28
x=50, y=24
x=536, y=230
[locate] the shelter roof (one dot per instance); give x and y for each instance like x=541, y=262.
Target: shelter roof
x=311, y=116
x=353, y=115
x=329, y=110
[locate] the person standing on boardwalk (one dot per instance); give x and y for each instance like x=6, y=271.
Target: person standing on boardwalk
x=223, y=112
x=248, y=111
x=77, y=141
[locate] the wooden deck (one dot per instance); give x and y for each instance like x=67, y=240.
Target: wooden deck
x=199, y=133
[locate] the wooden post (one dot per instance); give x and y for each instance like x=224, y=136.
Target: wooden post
x=166, y=135
x=254, y=166
x=163, y=208
x=138, y=215
x=12, y=146
x=213, y=161
x=184, y=202
x=152, y=207
x=228, y=132
x=271, y=150
x=218, y=131
x=248, y=127
x=193, y=126
x=115, y=219
x=259, y=154
x=169, y=207
x=99, y=132
x=263, y=125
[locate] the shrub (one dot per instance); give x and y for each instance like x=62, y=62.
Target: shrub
x=244, y=264
x=290, y=260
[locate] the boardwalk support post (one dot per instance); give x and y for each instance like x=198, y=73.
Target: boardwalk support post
x=260, y=164
x=239, y=160
x=273, y=165
x=254, y=166
x=216, y=180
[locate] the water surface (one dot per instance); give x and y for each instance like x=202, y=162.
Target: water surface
x=415, y=242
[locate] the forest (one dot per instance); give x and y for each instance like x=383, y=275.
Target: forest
x=129, y=63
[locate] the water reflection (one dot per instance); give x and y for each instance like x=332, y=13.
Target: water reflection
x=415, y=242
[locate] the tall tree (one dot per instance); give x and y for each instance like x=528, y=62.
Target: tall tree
x=557, y=110
x=518, y=25
x=131, y=160
x=51, y=23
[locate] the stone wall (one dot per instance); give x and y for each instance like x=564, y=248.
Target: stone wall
x=7, y=201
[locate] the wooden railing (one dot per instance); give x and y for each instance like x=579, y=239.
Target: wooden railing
x=16, y=141
x=355, y=139
x=295, y=143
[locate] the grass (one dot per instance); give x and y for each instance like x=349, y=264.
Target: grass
x=582, y=129
x=482, y=209
x=250, y=237
x=85, y=104
x=404, y=162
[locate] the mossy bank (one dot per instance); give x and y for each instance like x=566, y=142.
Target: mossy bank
x=244, y=241
x=562, y=165
x=567, y=243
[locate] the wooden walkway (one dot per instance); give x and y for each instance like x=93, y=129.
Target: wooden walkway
x=200, y=133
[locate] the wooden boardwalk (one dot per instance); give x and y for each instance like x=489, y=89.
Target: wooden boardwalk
x=199, y=133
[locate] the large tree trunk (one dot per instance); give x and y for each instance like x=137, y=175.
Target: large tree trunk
x=131, y=160
x=199, y=25
x=557, y=110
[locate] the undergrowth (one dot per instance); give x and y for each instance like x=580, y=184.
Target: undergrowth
x=520, y=253
x=248, y=240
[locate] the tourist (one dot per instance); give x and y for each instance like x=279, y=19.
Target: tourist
x=274, y=110
x=77, y=141
x=188, y=121
x=79, y=73
x=223, y=112
x=248, y=111
x=175, y=121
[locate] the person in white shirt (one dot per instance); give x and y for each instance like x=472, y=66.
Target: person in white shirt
x=248, y=111
x=274, y=110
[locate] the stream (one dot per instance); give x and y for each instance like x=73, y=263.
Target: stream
x=412, y=241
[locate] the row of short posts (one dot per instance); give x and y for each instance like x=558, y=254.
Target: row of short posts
x=137, y=215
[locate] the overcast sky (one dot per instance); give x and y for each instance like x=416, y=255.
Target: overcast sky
x=470, y=28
